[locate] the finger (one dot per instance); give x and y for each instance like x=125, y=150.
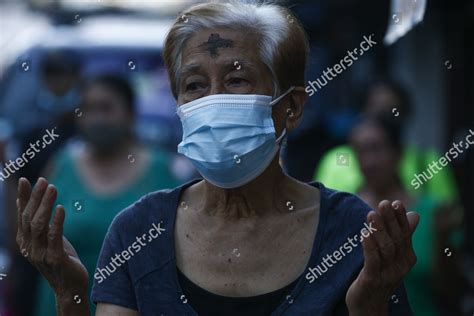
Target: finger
x=40, y=221
x=400, y=213
x=390, y=220
x=41, y=218
x=24, y=192
x=393, y=227
x=372, y=260
x=408, y=256
x=413, y=219
x=381, y=236
x=55, y=236
x=33, y=203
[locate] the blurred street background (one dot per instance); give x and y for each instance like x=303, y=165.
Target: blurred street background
x=92, y=69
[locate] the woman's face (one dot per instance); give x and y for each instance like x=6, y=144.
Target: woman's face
x=222, y=61
x=377, y=158
x=103, y=105
x=106, y=119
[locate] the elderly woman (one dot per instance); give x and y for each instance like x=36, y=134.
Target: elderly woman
x=247, y=239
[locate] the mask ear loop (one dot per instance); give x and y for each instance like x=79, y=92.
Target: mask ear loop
x=279, y=140
x=282, y=96
x=283, y=134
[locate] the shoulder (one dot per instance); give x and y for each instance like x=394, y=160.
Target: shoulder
x=343, y=206
x=153, y=207
x=145, y=227
x=343, y=215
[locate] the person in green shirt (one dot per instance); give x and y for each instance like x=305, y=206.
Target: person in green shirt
x=102, y=173
x=377, y=147
x=339, y=168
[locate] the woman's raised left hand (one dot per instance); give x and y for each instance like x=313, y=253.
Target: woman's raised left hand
x=388, y=257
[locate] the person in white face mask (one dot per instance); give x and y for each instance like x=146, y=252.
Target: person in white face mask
x=246, y=239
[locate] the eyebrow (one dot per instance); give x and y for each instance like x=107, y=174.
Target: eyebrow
x=190, y=68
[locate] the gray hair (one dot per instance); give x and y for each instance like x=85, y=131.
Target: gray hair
x=271, y=22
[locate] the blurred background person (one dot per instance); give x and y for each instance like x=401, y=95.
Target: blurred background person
x=377, y=145
x=55, y=94
x=339, y=167
x=53, y=107
x=103, y=172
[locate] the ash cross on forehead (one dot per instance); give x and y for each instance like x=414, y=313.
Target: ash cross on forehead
x=214, y=42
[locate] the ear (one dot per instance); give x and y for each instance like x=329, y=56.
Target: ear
x=294, y=107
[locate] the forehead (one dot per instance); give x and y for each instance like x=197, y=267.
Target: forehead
x=217, y=44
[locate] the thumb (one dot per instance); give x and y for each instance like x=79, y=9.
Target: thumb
x=413, y=220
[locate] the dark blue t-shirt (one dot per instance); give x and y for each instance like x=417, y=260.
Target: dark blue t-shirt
x=137, y=265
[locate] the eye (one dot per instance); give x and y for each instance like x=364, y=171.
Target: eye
x=237, y=82
x=194, y=86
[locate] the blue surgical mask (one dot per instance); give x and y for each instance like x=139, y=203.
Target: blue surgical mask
x=230, y=138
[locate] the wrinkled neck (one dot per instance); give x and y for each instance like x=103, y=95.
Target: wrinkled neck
x=254, y=199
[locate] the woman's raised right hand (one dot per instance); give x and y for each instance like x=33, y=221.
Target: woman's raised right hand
x=42, y=242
